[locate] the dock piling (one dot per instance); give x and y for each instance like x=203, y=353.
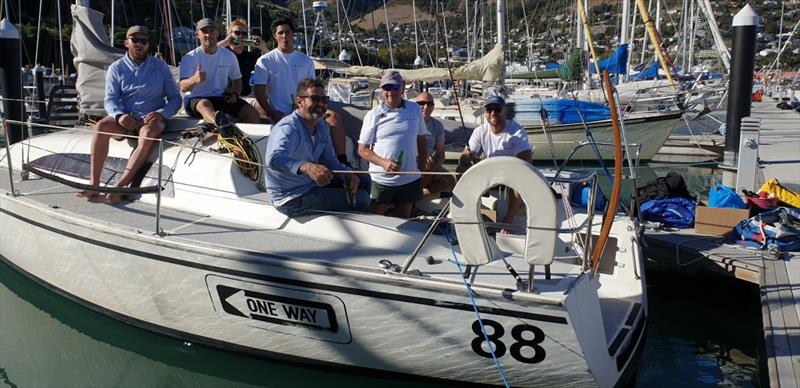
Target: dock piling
x=741, y=79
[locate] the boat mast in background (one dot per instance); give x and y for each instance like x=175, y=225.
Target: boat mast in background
x=501, y=30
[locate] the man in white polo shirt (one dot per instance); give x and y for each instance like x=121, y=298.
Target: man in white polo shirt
x=394, y=138
x=498, y=137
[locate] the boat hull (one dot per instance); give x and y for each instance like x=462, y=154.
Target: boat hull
x=370, y=321
x=650, y=131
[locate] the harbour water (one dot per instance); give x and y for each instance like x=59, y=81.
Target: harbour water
x=702, y=332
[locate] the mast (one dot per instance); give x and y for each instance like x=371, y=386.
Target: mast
x=501, y=28
x=623, y=30
x=588, y=32
x=388, y=34
x=305, y=26
x=684, y=28
x=61, y=43
x=651, y=31
x=466, y=24
x=724, y=54
x=111, y=29
x=692, y=26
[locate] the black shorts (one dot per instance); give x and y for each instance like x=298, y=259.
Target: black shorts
x=219, y=104
x=409, y=192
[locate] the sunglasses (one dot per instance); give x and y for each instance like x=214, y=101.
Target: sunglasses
x=140, y=40
x=390, y=87
x=240, y=33
x=317, y=99
x=494, y=109
x=423, y=103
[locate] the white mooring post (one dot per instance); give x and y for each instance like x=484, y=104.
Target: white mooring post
x=747, y=165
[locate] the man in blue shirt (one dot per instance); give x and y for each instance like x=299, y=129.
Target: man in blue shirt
x=300, y=158
x=140, y=96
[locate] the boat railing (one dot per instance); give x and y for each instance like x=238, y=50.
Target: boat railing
x=582, y=230
x=156, y=189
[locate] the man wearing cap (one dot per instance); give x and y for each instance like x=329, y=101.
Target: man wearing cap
x=434, y=184
x=140, y=96
x=212, y=80
x=394, y=138
x=300, y=159
x=498, y=137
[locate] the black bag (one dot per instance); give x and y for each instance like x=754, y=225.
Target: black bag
x=670, y=186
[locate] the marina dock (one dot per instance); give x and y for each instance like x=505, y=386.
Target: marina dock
x=777, y=276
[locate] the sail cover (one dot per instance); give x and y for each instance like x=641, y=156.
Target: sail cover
x=92, y=56
x=650, y=72
x=488, y=68
x=616, y=63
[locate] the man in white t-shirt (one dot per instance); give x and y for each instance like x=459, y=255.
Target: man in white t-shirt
x=394, y=138
x=279, y=71
x=212, y=80
x=276, y=76
x=498, y=137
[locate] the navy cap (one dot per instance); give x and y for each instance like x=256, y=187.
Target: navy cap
x=495, y=100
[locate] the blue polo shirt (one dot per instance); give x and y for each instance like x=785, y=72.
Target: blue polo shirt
x=141, y=89
x=289, y=146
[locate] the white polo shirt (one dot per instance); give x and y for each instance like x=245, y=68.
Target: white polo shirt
x=510, y=142
x=389, y=131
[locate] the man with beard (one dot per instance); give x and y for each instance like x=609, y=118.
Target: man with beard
x=140, y=96
x=498, y=137
x=206, y=73
x=393, y=139
x=300, y=158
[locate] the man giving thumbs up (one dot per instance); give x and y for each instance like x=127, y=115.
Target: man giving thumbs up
x=212, y=80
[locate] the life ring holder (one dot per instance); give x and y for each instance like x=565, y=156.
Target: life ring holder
x=477, y=247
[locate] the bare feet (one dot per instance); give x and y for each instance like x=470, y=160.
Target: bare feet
x=113, y=199
x=88, y=194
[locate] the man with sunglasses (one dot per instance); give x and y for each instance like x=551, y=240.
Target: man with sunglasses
x=300, y=159
x=498, y=136
x=434, y=184
x=205, y=74
x=393, y=139
x=140, y=96
x=246, y=54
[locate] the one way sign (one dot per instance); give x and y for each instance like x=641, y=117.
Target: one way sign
x=277, y=309
x=290, y=311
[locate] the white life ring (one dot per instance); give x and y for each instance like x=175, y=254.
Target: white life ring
x=476, y=246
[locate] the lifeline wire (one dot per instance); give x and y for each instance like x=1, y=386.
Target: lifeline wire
x=477, y=313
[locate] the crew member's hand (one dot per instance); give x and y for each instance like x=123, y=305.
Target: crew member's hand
x=390, y=166
x=199, y=75
x=228, y=41
x=317, y=172
x=230, y=98
x=128, y=122
x=153, y=117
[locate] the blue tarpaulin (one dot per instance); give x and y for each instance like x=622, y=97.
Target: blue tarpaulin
x=559, y=111
x=616, y=63
x=650, y=72
x=551, y=66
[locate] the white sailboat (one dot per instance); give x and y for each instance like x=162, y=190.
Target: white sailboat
x=201, y=254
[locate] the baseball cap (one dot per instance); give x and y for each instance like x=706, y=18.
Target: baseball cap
x=205, y=22
x=495, y=100
x=133, y=30
x=391, y=77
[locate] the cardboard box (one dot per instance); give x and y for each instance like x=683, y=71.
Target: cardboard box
x=717, y=221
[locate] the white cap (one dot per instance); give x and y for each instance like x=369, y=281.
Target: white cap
x=745, y=17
